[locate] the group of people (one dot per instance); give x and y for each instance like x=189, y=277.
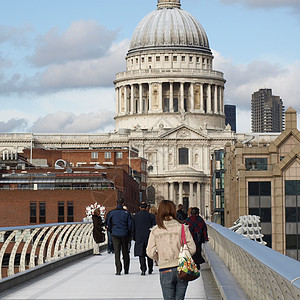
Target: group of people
x=157, y=238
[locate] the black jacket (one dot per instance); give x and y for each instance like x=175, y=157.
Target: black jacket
x=143, y=221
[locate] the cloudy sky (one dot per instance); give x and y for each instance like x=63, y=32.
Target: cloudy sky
x=58, y=58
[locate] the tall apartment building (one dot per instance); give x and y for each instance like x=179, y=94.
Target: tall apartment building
x=267, y=112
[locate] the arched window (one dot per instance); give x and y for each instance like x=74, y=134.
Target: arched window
x=183, y=156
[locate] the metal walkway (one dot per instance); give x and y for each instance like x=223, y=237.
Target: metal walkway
x=94, y=278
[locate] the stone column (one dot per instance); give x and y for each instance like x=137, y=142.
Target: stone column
x=216, y=109
x=126, y=99
x=192, y=100
x=160, y=100
x=140, y=110
x=132, y=100
x=208, y=99
x=171, y=191
x=198, y=197
x=180, y=200
x=150, y=97
x=222, y=99
x=201, y=99
x=181, y=96
x=117, y=101
x=166, y=191
x=171, y=98
x=191, y=198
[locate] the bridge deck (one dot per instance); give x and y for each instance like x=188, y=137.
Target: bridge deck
x=94, y=278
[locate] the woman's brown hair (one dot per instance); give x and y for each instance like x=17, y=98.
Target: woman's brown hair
x=166, y=211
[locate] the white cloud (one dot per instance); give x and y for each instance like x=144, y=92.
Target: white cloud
x=82, y=41
x=293, y=5
x=244, y=79
x=85, y=73
x=68, y=122
x=14, y=35
x=13, y=125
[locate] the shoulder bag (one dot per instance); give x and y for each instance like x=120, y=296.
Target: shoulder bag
x=187, y=269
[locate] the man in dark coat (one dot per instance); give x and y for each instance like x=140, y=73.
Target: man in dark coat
x=198, y=230
x=180, y=214
x=143, y=221
x=120, y=225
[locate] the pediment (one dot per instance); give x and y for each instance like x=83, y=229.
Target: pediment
x=183, y=132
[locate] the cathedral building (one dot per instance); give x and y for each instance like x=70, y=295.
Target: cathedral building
x=169, y=106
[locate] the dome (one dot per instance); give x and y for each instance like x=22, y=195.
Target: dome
x=169, y=27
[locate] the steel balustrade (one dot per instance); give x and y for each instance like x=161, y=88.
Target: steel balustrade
x=263, y=273
x=43, y=243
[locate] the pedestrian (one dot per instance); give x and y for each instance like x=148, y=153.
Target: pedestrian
x=164, y=246
x=198, y=229
x=153, y=210
x=98, y=231
x=121, y=226
x=110, y=246
x=143, y=221
x=180, y=214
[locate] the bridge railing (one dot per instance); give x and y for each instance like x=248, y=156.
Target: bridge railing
x=263, y=273
x=25, y=247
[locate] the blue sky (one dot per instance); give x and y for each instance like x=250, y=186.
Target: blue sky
x=58, y=58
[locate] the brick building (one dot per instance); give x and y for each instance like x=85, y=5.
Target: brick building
x=56, y=185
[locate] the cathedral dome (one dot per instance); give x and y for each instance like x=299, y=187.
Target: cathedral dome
x=169, y=27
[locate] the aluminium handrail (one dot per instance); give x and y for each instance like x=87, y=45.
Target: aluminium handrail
x=43, y=243
x=262, y=272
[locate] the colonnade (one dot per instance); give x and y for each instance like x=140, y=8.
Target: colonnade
x=158, y=97
x=178, y=191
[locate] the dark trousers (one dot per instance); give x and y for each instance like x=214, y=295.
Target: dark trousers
x=143, y=263
x=121, y=243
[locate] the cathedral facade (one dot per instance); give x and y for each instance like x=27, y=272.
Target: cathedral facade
x=169, y=106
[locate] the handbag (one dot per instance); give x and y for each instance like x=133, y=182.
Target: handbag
x=187, y=269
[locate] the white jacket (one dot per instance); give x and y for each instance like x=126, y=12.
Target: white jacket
x=164, y=244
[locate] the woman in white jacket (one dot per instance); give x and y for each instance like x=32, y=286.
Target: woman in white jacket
x=164, y=246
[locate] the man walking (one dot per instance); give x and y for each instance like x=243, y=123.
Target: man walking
x=143, y=221
x=120, y=225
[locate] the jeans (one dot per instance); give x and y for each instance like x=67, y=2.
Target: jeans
x=173, y=288
x=121, y=243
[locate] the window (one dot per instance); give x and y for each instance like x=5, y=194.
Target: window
x=256, y=164
x=149, y=59
x=183, y=156
x=136, y=60
x=107, y=154
x=198, y=59
x=259, y=203
x=119, y=155
x=70, y=216
x=174, y=58
x=42, y=212
x=61, y=212
x=157, y=58
x=94, y=154
x=143, y=59
x=166, y=58
x=32, y=212
x=191, y=58
x=182, y=58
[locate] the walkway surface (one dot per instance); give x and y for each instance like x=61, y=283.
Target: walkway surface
x=94, y=278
